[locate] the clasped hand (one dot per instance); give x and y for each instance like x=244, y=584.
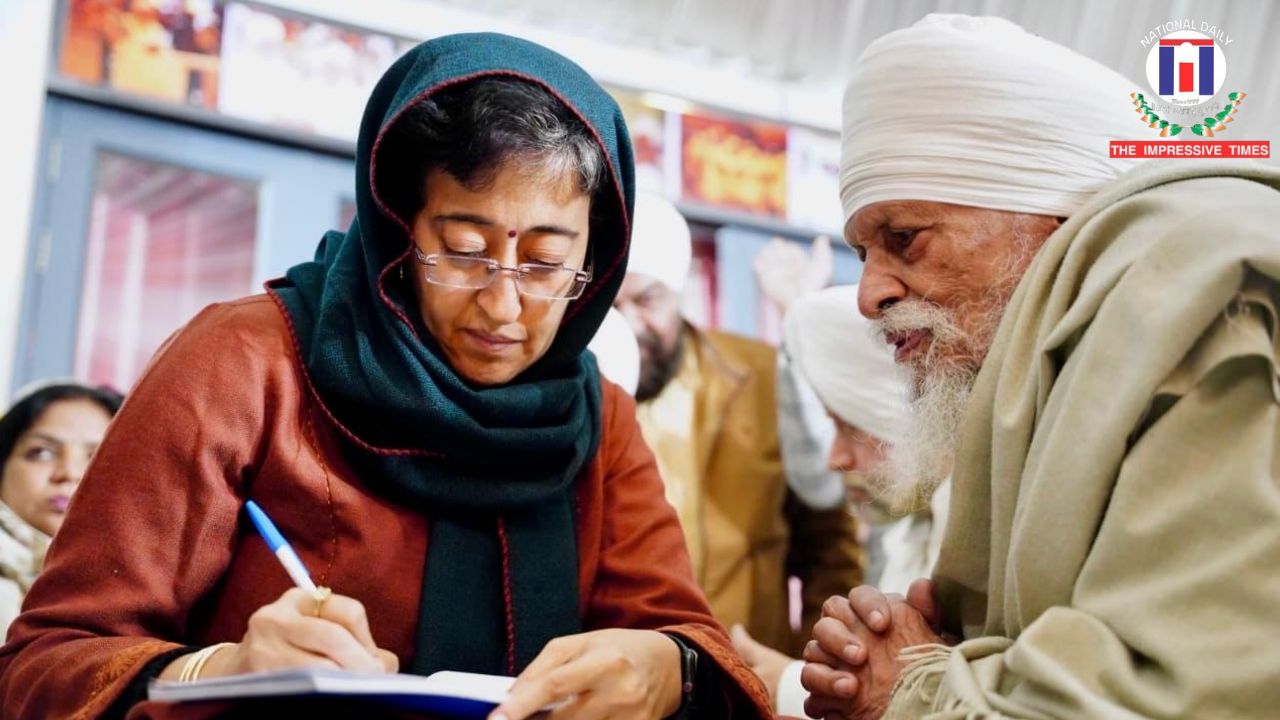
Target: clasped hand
x=852, y=663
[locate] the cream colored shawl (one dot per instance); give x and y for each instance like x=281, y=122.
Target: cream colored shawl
x=1114, y=542
x=22, y=549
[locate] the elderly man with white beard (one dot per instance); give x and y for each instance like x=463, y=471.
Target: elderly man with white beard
x=1093, y=348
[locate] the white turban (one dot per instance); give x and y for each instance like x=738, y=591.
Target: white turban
x=661, y=245
x=617, y=352
x=977, y=111
x=850, y=369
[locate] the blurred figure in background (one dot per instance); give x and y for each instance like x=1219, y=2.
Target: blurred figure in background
x=617, y=352
x=785, y=272
x=46, y=440
x=853, y=377
x=825, y=459
x=819, y=462
x=830, y=352
x=707, y=409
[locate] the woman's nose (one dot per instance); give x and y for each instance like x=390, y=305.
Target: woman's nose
x=501, y=301
x=64, y=472
x=70, y=468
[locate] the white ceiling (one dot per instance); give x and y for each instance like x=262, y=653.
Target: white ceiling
x=815, y=42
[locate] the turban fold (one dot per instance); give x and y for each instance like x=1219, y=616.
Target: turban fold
x=851, y=370
x=661, y=245
x=977, y=111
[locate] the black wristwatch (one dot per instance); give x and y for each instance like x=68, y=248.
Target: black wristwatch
x=688, y=675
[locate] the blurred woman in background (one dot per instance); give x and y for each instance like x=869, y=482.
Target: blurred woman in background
x=46, y=441
x=830, y=351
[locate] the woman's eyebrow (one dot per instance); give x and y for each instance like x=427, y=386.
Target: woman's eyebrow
x=51, y=439
x=482, y=221
x=468, y=218
x=553, y=230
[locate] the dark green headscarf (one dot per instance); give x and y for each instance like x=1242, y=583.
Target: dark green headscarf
x=494, y=468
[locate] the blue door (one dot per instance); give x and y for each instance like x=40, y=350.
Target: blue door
x=141, y=222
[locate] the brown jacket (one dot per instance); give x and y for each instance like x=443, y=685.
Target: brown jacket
x=155, y=552
x=753, y=533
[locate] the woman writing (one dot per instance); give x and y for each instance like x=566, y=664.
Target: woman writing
x=416, y=411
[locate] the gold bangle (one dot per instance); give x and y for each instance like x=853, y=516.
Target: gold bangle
x=205, y=654
x=189, y=664
x=195, y=662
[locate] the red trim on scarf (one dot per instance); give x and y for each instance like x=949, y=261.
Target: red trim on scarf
x=507, y=605
x=306, y=376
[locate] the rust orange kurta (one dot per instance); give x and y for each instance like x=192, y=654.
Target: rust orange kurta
x=155, y=553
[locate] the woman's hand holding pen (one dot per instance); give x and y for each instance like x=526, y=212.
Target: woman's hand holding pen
x=289, y=633
x=306, y=627
x=624, y=674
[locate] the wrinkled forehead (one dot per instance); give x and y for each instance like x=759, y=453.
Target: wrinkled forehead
x=870, y=220
x=892, y=213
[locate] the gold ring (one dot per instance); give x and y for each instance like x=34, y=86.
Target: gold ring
x=321, y=594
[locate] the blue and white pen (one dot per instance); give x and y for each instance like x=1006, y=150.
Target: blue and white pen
x=288, y=558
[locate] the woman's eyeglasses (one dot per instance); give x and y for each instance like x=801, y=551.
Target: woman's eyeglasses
x=548, y=282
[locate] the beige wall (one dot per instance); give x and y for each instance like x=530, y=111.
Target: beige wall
x=24, y=51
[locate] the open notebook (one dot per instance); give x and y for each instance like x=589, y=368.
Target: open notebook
x=456, y=694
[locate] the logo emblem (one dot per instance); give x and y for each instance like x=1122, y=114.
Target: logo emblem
x=1186, y=68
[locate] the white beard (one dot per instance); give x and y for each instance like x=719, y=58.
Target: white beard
x=922, y=453
x=923, y=449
